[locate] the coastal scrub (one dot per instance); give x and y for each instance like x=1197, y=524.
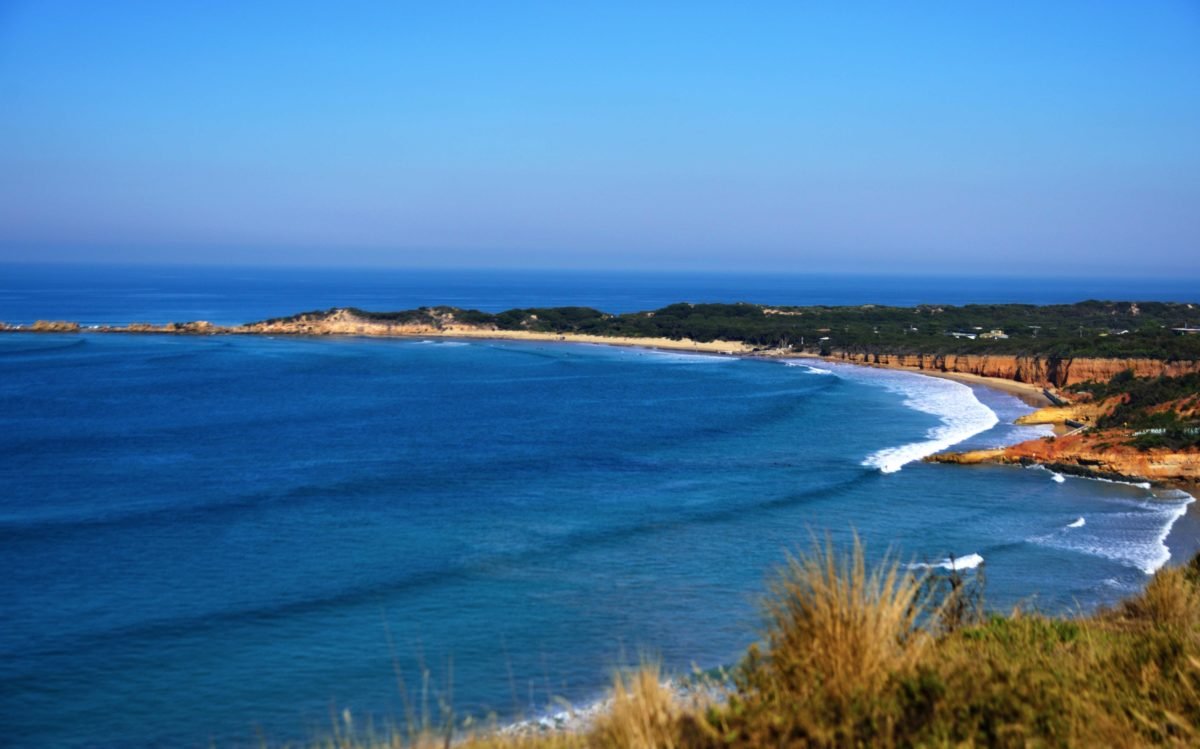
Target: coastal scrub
x=858, y=657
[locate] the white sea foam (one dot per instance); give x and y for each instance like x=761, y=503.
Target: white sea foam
x=968, y=562
x=1138, y=484
x=1057, y=478
x=1136, y=537
x=955, y=404
x=808, y=367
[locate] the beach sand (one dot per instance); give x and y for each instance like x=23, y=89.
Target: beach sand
x=1030, y=394
x=1027, y=392
x=666, y=344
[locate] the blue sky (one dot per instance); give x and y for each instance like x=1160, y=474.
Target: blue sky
x=890, y=137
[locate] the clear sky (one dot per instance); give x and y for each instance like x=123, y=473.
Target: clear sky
x=906, y=137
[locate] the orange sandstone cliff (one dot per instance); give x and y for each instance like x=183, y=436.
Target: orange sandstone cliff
x=1096, y=454
x=1036, y=370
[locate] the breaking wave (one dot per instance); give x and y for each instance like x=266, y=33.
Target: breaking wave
x=809, y=368
x=1056, y=477
x=961, y=413
x=968, y=562
x=1135, y=536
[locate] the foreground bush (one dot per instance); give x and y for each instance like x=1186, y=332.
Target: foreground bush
x=855, y=657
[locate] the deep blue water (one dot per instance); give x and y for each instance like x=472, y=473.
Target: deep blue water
x=210, y=537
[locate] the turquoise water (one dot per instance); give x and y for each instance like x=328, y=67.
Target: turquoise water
x=212, y=538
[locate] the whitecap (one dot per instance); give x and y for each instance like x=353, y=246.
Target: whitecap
x=961, y=413
x=808, y=368
x=1057, y=478
x=968, y=562
x=1138, y=484
x=1078, y=523
x=1136, y=538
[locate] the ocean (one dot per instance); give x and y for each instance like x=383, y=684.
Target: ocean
x=213, y=539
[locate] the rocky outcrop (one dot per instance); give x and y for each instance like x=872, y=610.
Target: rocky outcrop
x=1036, y=370
x=197, y=326
x=55, y=326
x=1079, y=413
x=1091, y=455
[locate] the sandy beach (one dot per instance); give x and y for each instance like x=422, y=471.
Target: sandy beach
x=666, y=344
x=1029, y=393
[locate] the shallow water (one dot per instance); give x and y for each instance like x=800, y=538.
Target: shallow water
x=205, y=537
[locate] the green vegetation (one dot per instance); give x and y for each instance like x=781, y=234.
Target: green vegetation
x=1164, y=409
x=1085, y=329
x=853, y=657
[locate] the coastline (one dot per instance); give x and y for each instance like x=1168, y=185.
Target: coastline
x=1029, y=393
x=342, y=323
x=733, y=348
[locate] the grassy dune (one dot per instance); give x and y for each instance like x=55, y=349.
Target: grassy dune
x=854, y=656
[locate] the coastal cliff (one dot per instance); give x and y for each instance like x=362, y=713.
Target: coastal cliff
x=1035, y=370
x=1129, y=428
x=1093, y=455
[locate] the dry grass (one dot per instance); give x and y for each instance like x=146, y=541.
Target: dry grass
x=856, y=657
x=839, y=629
x=835, y=634
x=1171, y=600
x=643, y=714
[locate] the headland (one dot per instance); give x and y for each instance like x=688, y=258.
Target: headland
x=1084, y=360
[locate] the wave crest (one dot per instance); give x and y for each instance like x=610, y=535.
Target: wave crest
x=968, y=562
x=961, y=413
x=809, y=368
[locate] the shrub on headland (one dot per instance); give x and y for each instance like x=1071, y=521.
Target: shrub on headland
x=853, y=657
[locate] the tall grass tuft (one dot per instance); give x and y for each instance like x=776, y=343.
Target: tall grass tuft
x=854, y=656
x=643, y=713
x=1171, y=600
x=836, y=635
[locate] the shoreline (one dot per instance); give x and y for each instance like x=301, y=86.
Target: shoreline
x=1029, y=393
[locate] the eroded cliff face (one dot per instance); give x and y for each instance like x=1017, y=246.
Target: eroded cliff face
x=1036, y=370
x=1091, y=454
x=1083, y=413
